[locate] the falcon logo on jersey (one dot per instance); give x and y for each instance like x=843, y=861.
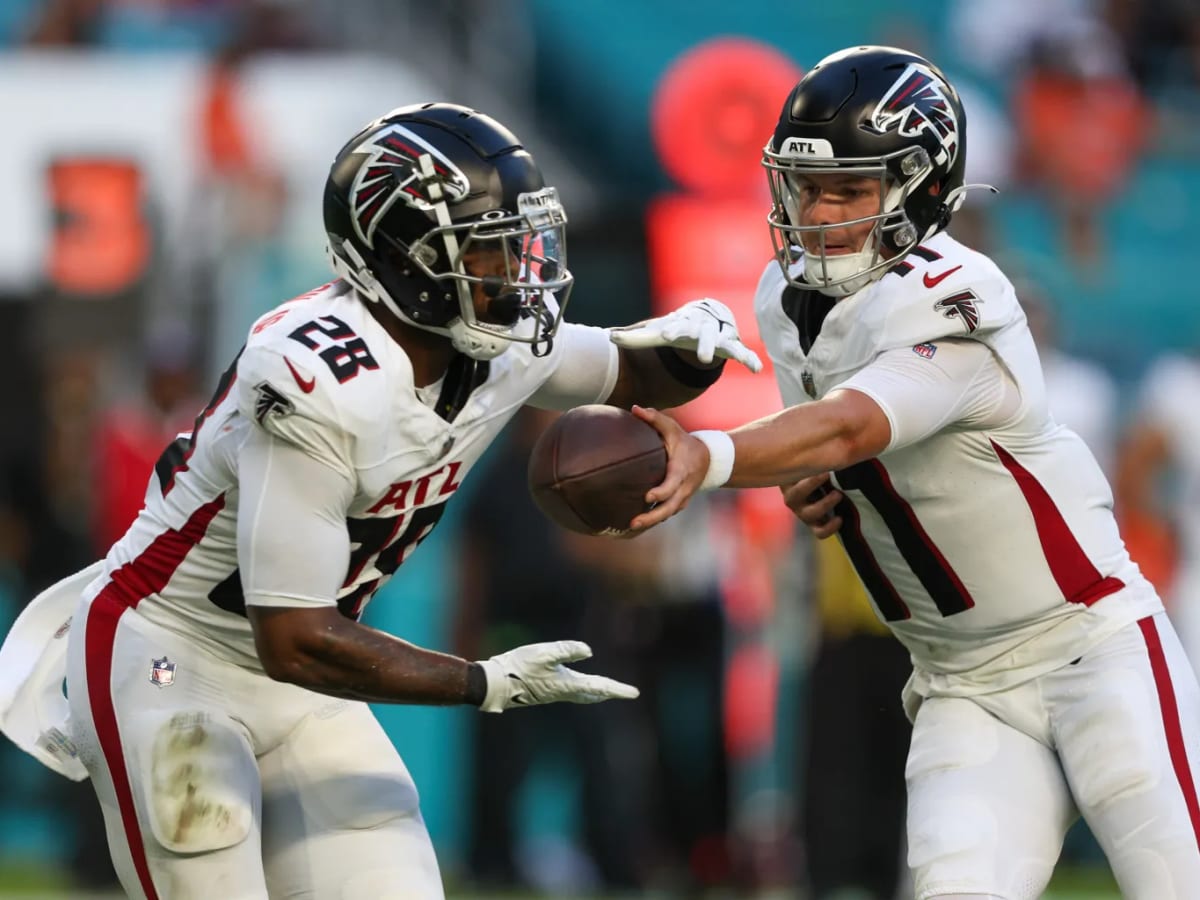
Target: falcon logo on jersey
x=915, y=103
x=960, y=306
x=393, y=173
x=270, y=402
x=162, y=672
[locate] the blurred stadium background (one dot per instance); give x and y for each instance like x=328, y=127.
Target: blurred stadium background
x=161, y=167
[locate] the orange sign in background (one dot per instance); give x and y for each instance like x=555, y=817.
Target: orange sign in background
x=712, y=113
x=101, y=241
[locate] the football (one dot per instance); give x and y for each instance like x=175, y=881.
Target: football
x=590, y=470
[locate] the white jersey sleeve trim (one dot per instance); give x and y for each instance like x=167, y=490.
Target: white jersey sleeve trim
x=586, y=372
x=293, y=547
x=927, y=388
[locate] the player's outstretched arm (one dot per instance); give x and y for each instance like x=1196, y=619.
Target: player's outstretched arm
x=844, y=428
x=293, y=554
x=705, y=327
x=670, y=360
x=321, y=650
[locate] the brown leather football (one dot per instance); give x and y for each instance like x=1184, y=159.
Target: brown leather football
x=590, y=470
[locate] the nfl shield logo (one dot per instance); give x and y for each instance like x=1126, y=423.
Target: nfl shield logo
x=806, y=380
x=162, y=672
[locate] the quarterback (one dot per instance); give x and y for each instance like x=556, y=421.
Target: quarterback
x=1047, y=681
x=218, y=676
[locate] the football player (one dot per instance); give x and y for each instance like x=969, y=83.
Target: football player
x=1047, y=681
x=218, y=675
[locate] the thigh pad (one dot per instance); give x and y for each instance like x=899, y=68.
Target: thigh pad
x=200, y=781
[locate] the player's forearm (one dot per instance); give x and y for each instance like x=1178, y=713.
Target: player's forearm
x=356, y=662
x=795, y=443
x=662, y=377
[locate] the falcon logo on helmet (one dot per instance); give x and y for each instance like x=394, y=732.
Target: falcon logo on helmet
x=960, y=306
x=917, y=102
x=393, y=172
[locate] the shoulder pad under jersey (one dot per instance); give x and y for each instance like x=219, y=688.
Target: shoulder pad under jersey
x=308, y=375
x=941, y=290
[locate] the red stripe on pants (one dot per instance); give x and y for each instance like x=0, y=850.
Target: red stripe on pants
x=1171, y=723
x=129, y=585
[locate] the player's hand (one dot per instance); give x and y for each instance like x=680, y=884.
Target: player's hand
x=535, y=674
x=812, y=499
x=706, y=327
x=687, y=464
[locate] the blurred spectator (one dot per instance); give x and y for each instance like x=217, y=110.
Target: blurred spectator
x=1082, y=124
x=856, y=741
x=989, y=137
x=991, y=161
x=1158, y=484
x=519, y=583
x=654, y=774
x=36, y=549
x=133, y=24
x=993, y=38
x=165, y=25
x=241, y=258
x=1160, y=39
x=667, y=580
x=132, y=433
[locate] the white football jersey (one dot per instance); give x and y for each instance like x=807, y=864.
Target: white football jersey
x=992, y=553
x=321, y=373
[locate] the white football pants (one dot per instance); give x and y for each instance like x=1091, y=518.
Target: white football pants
x=994, y=781
x=217, y=782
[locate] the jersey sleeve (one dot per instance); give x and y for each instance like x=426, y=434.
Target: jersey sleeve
x=586, y=371
x=946, y=299
x=932, y=386
x=293, y=547
x=289, y=401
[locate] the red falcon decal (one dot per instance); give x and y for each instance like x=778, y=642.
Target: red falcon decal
x=917, y=102
x=392, y=173
x=961, y=305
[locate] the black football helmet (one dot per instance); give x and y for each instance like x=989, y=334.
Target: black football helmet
x=430, y=201
x=870, y=111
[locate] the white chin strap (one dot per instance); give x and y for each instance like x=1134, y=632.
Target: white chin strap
x=840, y=275
x=472, y=342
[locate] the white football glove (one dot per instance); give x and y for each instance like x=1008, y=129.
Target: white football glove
x=535, y=674
x=706, y=327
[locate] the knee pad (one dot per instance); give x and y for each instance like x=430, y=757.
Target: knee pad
x=201, y=783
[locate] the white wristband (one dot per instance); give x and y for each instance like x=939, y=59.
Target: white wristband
x=720, y=458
